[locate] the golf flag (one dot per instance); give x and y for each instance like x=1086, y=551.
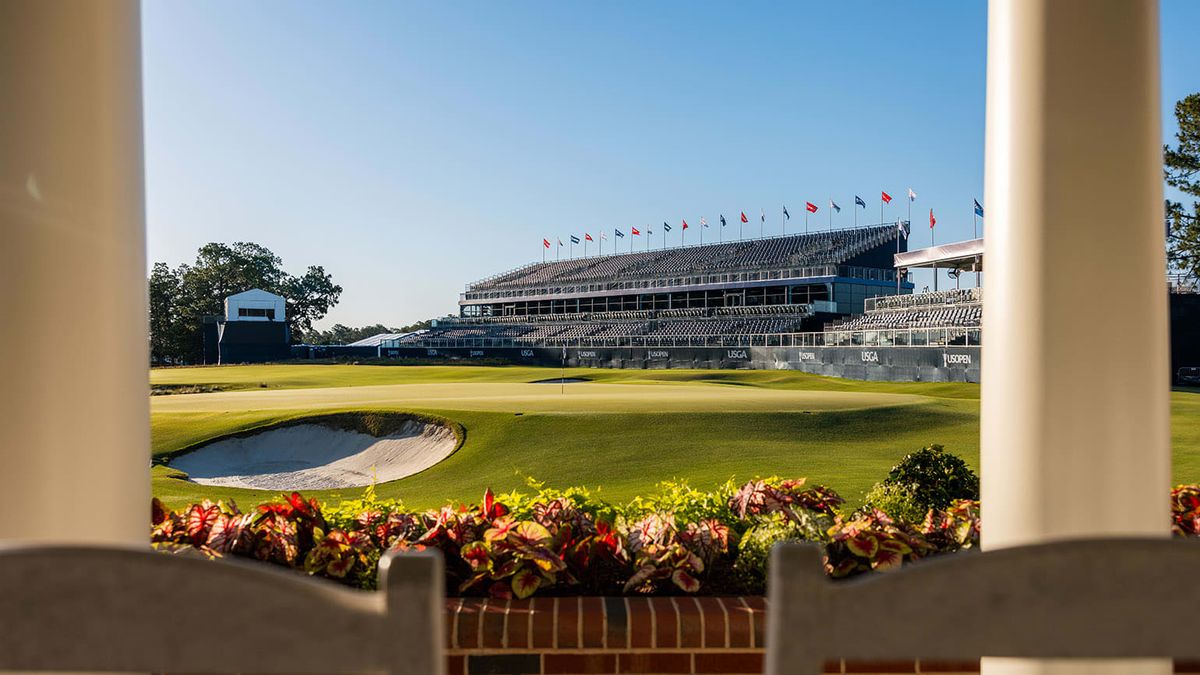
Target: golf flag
x=833, y=205
x=684, y=223
x=812, y=208
x=744, y=218
x=912, y=196
x=902, y=227
x=978, y=208
x=635, y=231
x=574, y=239
x=546, y=243
x=588, y=237
x=619, y=233
x=858, y=201
x=932, y=220
x=666, y=226
x=786, y=215
x=703, y=222
x=722, y=220
x=887, y=199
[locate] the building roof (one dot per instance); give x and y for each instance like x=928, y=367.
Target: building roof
x=375, y=340
x=255, y=294
x=961, y=255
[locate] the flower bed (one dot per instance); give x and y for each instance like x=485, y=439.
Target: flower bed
x=677, y=541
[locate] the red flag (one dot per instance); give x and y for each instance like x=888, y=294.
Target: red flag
x=635, y=230
x=546, y=243
x=812, y=208
x=744, y=220
x=588, y=237
x=932, y=220
x=685, y=224
x=887, y=199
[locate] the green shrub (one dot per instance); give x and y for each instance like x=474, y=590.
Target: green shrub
x=754, y=549
x=898, y=501
x=935, y=477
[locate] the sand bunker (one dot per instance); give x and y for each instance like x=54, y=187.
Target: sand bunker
x=312, y=456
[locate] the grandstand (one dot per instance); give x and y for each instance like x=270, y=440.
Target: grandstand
x=829, y=302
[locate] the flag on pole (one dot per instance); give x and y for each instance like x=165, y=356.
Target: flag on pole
x=603, y=237
x=648, y=230
x=666, y=226
x=932, y=220
x=619, y=233
x=684, y=223
x=588, y=237
x=722, y=220
x=786, y=215
x=635, y=231
x=902, y=227
x=812, y=208
x=560, y=242
x=887, y=199
x=546, y=243
x=703, y=222
x=744, y=218
x=833, y=205
x=978, y=208
x=762, y=215
x=574, y=239
x=858, y=201
x=912, y=196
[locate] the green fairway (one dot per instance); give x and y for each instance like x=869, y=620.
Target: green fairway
x=621, y=432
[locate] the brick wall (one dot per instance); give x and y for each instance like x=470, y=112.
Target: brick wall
x=623, y=635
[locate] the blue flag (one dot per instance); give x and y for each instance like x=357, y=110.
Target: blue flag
x=786, y=215
x=574, y=239
x=978, y=208
x=833, y=205
x=666, y=226
x=619, y=233
x=858, y=201
x=722, y=221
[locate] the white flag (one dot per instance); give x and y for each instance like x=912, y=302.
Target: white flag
x=912, y=196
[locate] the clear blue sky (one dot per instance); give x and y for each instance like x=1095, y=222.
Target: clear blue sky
x=413, y=147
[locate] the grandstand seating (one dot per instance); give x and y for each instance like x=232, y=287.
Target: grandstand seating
x=950, y=309
x=823, y=248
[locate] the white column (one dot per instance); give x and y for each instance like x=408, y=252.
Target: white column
x=1075, y=427
x=74, y=413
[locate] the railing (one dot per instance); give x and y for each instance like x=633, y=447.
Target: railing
x=911, y=337
x=957, y=296
x=664, y=283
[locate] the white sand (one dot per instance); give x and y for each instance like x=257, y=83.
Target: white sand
x=311, y=456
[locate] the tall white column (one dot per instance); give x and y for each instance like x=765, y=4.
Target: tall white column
x=74, y=413
x=1075, y=427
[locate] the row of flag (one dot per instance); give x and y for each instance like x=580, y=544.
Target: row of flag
x=809, y=207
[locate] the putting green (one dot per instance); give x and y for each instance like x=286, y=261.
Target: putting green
x=622, y=432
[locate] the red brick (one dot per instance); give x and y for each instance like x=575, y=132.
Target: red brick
x=666, y=623
x=451, y=620
x=519, y=616
x=468, y=623
x=691, y=630
x=641, y=623
x=652, y=662
x=950, y=666
x=729, y=662
x=758, y=610
x=492, y=632
x=456, y=665
x=568, y=623
x=543, y=622
x=579, y=663
x=881, y=666
x=592, y=618
x=714, y=622
x=741, y=627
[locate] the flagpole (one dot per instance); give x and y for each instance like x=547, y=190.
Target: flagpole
x=831, y=214
x=806, y=212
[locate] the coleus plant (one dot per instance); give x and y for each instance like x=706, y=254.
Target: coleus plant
x=870, y=541
x=1185, y=510
x=785, y=497
x=954, y=528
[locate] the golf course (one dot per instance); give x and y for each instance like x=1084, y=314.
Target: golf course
x=618, y=432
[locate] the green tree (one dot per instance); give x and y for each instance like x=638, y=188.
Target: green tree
x=181, y=298
x=1182, y=168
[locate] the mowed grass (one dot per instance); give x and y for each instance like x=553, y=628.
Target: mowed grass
x=621, y=432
